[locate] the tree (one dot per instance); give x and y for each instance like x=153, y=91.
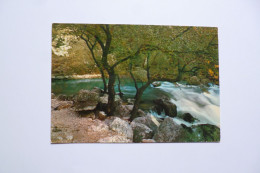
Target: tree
x=139, y=90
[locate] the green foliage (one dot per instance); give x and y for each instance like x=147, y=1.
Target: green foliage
x=176, y=53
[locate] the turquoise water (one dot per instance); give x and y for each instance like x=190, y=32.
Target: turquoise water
x=188, y=99
x=71, y=87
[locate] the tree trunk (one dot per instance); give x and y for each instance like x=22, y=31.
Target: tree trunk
x=104, y=81
x=111, y=93
x=138, y=97
x=179, y=77
x=119, y=88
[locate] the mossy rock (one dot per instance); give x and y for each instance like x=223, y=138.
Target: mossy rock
x=200, y=133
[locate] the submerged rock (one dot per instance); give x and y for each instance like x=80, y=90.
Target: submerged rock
x=121, y=127
x=86, y=100
x=141, y=132
x=156, y=84
x=164, y=104
x=188, y=118
x=168, y=131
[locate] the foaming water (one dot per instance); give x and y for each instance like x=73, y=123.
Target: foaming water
x=191, y=99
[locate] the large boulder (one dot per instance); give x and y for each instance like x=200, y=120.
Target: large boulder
x=123, y=110
x=164, y=104
x=148, y=120
x=86, y=100
x=97, y=90
x=168, y=131
x=121, y=127
x=141, y=132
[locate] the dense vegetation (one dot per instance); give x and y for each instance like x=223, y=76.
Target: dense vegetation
x=142, y=52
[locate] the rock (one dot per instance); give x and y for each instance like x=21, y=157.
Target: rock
x=188, y=118
x=194, y=80
x=114, y=139
x=123, y=110
x=102, y=115
x=97, y=90
x=109, y=120
x=141, y=113
x=156, y=84
x=148, y=120
x=141, y=132
x=148, y=141
x=63, y=105
x=168, y=131
x=121, y=127
x=87, y=114
x=69, y=137
x=207, y=133
x=104, y=99
x=200, y=133
x=130, y=101
x=99, y=126
x=103, y=102
x=63, y=97
x=86, y=100
x=164, y=104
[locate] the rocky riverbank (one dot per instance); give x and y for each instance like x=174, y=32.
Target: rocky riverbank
x=82, y=119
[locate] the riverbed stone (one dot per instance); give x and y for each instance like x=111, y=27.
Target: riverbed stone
x=168, y=131
x=121, y=127
x=140, y=132
x=164, y=104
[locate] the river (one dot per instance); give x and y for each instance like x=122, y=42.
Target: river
x=203, y=105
